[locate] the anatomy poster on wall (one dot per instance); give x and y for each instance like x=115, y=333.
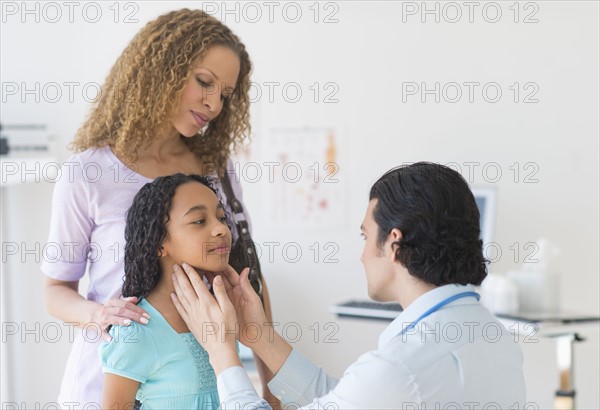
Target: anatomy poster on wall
x=304, y=166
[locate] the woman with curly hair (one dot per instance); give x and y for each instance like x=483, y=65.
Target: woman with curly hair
x=173, y=220
x=176, y=100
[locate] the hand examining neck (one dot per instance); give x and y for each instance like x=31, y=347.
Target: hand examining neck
x=212, y=320
x=256, y=331
x=234, y=311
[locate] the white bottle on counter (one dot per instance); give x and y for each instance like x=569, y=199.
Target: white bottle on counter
x=538, y=282
x=499, y=294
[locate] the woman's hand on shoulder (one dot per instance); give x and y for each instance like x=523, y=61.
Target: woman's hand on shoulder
x=118, y=311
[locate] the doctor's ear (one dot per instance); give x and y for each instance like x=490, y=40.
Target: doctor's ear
x=159, y=253
x=395, y=236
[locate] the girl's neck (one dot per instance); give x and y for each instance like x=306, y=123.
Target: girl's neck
x=160, y=299
x=163, y=289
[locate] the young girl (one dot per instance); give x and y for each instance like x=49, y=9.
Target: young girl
x=173, y=220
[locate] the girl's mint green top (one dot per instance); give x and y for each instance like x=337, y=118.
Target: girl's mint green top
x=172, y=368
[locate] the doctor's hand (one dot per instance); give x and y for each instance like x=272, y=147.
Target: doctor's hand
x=212, y=320
x=252, y=319
x=255, y=330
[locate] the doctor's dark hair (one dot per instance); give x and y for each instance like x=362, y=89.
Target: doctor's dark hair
x=436, y=212
x=146, y=230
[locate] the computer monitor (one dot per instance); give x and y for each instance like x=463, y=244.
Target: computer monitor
x=486, y=202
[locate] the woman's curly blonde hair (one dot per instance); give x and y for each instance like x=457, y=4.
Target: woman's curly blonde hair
x=146, y=82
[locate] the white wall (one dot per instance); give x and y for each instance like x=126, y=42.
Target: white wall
x=369, y=53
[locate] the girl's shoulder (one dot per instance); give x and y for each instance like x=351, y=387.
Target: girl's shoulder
x=136, y=332
x=131, y=353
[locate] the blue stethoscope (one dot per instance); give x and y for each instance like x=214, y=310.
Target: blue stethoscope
x=439, y=306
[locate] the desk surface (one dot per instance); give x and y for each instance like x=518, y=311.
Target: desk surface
x=369, y=309
x=563, y=317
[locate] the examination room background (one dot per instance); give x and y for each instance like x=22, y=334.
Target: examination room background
x=355, y=65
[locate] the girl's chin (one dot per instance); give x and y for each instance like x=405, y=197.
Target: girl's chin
x=213, y=267
x=221, y=267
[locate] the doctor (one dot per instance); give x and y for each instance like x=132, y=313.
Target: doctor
x=422, y=249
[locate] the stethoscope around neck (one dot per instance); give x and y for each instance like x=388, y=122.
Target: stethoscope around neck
x=438, y=307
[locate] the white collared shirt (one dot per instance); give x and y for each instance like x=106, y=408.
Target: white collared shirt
x=459, y=356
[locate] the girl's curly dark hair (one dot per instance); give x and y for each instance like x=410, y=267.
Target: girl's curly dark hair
x=436, y=212
x=146, y=230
